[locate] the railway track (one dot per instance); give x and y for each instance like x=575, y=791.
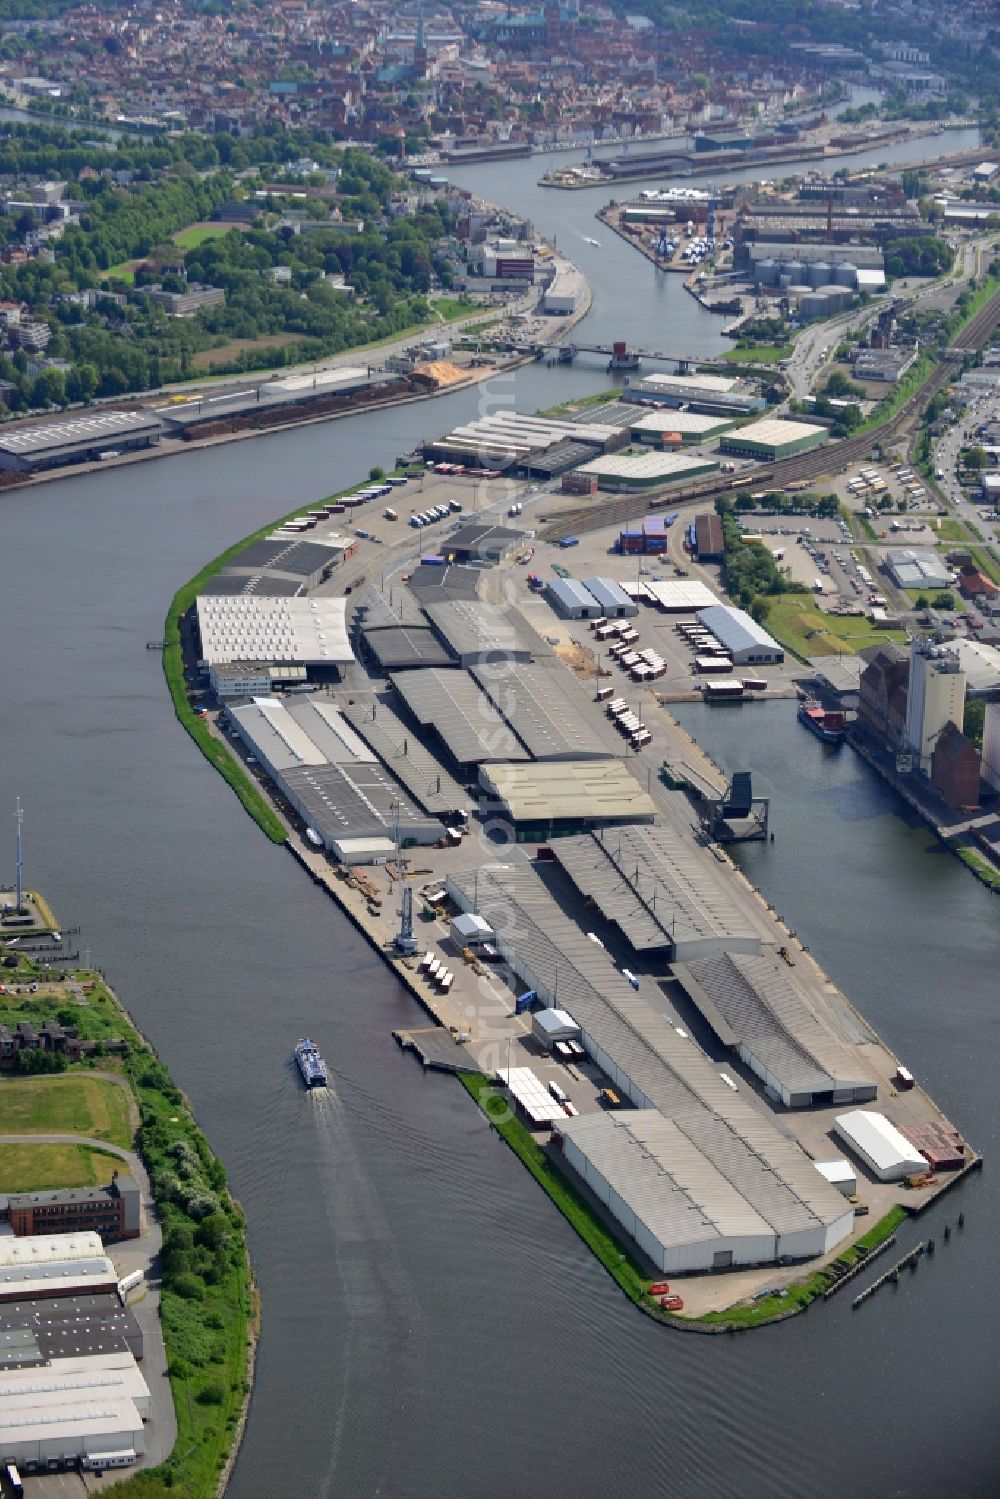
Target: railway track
x=785, y=471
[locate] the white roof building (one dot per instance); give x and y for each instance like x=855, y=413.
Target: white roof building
x=745, y=640
x=252, y=627
x=887, y=1154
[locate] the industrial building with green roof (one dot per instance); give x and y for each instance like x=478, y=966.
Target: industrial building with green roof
x=690, y=426
x=627, y=471
x=774, y=438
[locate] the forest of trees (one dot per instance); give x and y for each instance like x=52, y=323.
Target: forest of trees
x=145, y=194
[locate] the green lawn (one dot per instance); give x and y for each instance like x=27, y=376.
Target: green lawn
x=123, y=271
x=197, y=234
x=763, y=354
x=451, y=308
x=40, y=1168
x=580, y=403
x=801, y=1292
x=795, y=621
x=72, y=1104
x=950, y=529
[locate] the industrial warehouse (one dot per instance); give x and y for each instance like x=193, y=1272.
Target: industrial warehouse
x=773, y=438
x=32, y=447
x=679, y=1064
x=72, y=1395
x=533, y=446
x=698, y=1177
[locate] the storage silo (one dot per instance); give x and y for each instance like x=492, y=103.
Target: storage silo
x=846, y=274
x=837, y=297
x=812, y=304
x=766, y=272
x=820, y=273
x=796, y=270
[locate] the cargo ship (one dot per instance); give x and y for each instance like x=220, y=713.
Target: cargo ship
x=311, y=1064
x=828, y=726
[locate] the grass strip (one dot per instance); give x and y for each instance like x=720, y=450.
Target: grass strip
x=610, y=1251
x=595, y=1234
x=801, y=1292
x=986, y=871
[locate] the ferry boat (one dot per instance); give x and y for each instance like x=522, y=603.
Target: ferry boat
x=828, y=726
x=595, y=242
x=311, y=1064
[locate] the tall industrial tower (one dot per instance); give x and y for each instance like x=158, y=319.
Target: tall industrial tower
x=18, y=862
x=935, y=697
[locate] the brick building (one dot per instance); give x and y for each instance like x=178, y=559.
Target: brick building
x=882, y=694
x=112, y=1211
x=956, y=769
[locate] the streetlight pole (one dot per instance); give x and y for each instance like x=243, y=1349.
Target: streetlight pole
x=18, y=862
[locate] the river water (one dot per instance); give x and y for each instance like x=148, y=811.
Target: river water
x=431, y=1325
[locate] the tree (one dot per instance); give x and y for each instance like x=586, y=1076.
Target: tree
x=376, y=474
x=976, y=459
x=975, y=717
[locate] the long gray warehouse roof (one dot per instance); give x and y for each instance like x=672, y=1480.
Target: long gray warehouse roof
x=296, y=558
x=405, y=754
x=538, y=703
x=407, y=646
x=663, y=1178
x=33, y=439
x=377, y=608
x=736, y=629
x=660, y=888
x=569, y=595
x=477, y=631
x=610, y=595
x=356, y=801
x=670, y=1072
x=748, y=1000
x=461, y=713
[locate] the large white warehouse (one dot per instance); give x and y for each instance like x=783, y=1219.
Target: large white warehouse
x=678, y=1206
x=745, y=640
x=91, y=1408
x=888, y=1154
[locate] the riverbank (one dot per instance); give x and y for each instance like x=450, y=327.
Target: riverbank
x=207, y=1297
x=712, y=161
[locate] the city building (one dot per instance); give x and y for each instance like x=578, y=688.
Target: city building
x=184, y=303
x=747, y=642
x=113, y=1211
x=774, y=438
x=753, y=1008
x=332, y=779
x=690, y=426
x=991, y=746
x=935, y=698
